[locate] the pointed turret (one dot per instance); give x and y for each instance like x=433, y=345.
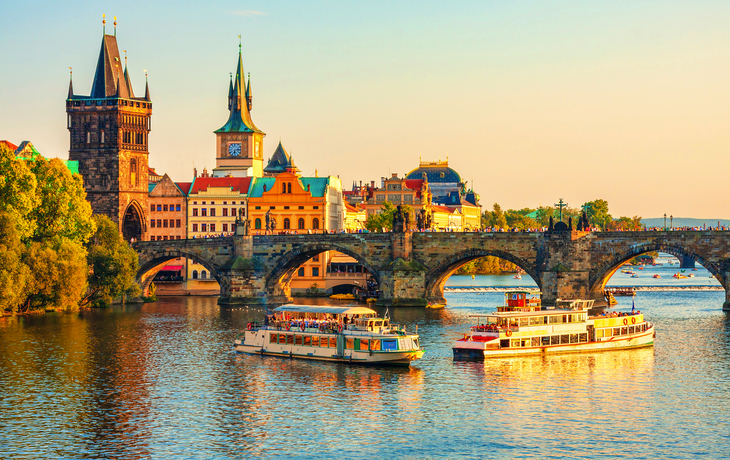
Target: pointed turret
x=127, y=83
x=109, y=71
x=248, y=92
x=230, y=90
x=240, y=117
x=70, y=87
x=281, y=161
x=146, y=89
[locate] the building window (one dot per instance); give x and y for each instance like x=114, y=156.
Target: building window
x=164, y=207
x=288, y=188
x=315, y=207
x=177, y=207
x=177, y=237
x=283, y=187
x=212, y=212
x=177, y=223
x=257, y=224
x=315, y=271
x=195, y=212
x=152, y=223
x=212, y=227
x=88, y=137
x=225, y=227
x=225, y=212
x=152, y=208
x=300, y=224
x=287, y=225
x=203, y=275
x=301, y=207
x=257, y=207
x=300, y=272
x=159, y=207
x=164, y=223
x=195, y=274
x=159, y=223
x=203, y=227
x=315, y=223
x=233, y=202
x=164, y=237
x=204, y=212
x=195, y=227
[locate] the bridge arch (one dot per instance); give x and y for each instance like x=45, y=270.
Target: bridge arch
x=436, y=277
x=151, y=262
x=600, y=275
x=279, y=277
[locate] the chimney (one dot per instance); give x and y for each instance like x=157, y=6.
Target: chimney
x=195, y=172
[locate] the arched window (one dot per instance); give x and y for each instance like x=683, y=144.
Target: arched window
x=257, y=224
x=300, y=224
x=287, y=224
x=203, y=275
x=315, y=223
x=102, y=136
x=195, y=274
x=133, y=172
x=283, y=187
x=288, y=188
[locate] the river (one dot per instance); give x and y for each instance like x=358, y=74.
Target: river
x=162, y=381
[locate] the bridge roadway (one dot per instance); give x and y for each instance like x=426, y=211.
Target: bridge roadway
x=411, y=268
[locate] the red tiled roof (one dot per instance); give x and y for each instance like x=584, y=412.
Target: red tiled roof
x=236, y=183
x=184, y=186
x=351, y=208
x=441, y=208
x=414, y=184
x=10, y=145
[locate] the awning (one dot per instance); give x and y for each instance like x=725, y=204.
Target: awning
x=171, y=268
x=325, y=309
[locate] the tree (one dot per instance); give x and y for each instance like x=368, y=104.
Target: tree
x=13, y=273
x=598, y=215
x=384, y=219
x=496, y=218
x=113, y=265
x=17, y=192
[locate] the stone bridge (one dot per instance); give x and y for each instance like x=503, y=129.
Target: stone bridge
x=411, y=268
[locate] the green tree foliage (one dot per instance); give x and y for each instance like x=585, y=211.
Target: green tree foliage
x=45, y=226
x=625, y=224
x=520, y=219
x=384, y=219
x=485, y=266
x=17, y=192
x=598, y=214
x=495, y=218
x=113, y=265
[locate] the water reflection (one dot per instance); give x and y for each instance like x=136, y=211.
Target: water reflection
x=162, y=380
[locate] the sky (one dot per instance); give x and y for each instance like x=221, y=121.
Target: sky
x=530, y=101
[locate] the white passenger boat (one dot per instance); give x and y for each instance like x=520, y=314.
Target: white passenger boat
x=521, y=329
x=326, y=333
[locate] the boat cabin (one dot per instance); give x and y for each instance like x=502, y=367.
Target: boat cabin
x=522, y=300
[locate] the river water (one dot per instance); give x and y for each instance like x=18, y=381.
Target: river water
x=162, y=381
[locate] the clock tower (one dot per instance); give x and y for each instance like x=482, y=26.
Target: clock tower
x=239, y=143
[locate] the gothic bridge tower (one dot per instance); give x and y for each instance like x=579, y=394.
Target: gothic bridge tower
x=109, y=130
x=239, y=143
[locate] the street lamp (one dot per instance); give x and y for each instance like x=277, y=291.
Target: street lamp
x=665, y=221
x=671, y=222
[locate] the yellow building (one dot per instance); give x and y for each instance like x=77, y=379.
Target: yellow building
x=213, y=204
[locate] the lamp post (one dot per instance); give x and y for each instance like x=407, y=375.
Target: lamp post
x=665, y=221
x=671, y=222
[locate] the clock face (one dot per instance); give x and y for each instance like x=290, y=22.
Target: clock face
x=234, y=150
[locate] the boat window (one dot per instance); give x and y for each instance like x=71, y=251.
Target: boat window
x=599, y=333
x=364, y=343
x=273, y=338
x=315, y=341
x=624, y=330
x=536, y=341
x=631, y=329
x=583, y=337
x=333, y=342
x=389, y=345
x=385, y=323
x=524, y=321
x=504, y=343
x=297, y=339
x=350, y=344
x=290, y=339
x=573, y=338
x=564, y=339
x=307, y=340
x=535, y=320
x=515, y=343
x=555, y=340
x=546, y=340
x=375, y=344
x=282, y=338
x=415, y=343
x=525, y=342
x=616, y=331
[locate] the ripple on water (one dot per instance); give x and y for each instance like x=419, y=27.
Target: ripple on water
x=162, y=381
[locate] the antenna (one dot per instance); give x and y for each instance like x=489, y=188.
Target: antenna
x=103, y=24
x=115, y=26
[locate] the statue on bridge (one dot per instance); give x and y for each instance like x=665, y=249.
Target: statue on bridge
x=401, y=220
x=269, y=222
x=423, y=219
x=243, y=223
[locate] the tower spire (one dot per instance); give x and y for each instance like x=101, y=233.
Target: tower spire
x=70, y=83
x=248, y=93
x=230, y=90
x=115, y=27
x=103, y=24
x=146, y=87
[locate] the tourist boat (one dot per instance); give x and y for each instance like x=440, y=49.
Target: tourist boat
x=635, y=275
x=679, y=276
x=327, y=333
x=517, y=277
x=657, y=275
x=568, y=328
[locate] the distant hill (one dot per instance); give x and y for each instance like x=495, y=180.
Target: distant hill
x=685, y=222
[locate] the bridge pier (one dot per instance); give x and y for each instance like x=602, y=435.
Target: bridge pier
x=686, y=262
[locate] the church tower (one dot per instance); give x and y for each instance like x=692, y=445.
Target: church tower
x=109, y=130
x=239, y=143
